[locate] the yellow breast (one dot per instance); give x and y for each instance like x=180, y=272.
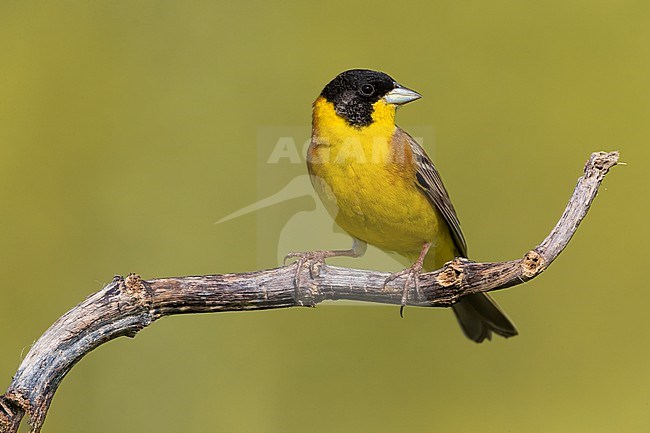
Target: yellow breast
x=367, y=182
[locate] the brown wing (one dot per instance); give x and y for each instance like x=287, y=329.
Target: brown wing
x=428, y=179
x=477, y=314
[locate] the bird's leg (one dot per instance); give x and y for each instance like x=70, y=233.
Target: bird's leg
x=358, y=249
x=317, y=259
x=414, y=272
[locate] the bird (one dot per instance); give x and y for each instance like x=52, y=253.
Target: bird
x=380, y=186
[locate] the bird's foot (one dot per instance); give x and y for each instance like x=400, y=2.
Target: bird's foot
x=411, y=273
x=314, y=259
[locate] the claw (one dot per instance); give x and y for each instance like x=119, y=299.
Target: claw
x=291, y=255
x=315, y=259
x=412, y=272
x=305, y=256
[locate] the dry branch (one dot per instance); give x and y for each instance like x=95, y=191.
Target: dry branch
x=127, y=305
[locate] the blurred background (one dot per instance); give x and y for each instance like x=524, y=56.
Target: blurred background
x=127, y=129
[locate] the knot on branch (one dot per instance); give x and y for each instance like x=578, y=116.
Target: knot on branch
x=133, y=283
x=601, y=162
x=532, y=264
x=453, y=273
x=136, y=288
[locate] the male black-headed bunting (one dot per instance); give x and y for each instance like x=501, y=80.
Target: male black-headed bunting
x=380, y=186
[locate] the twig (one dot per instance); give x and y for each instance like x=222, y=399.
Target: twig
x=127, y=305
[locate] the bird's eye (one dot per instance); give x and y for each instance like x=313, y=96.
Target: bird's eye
x=367, y=89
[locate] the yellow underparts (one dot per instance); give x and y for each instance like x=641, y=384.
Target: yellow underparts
x=367, y=182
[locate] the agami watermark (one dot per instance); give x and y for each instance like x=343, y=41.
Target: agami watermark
x=290, y=215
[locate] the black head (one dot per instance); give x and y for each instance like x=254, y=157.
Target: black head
x=354, y=92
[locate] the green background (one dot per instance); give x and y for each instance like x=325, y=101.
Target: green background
x=128, y=128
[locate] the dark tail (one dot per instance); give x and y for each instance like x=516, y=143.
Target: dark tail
x=479, y=316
